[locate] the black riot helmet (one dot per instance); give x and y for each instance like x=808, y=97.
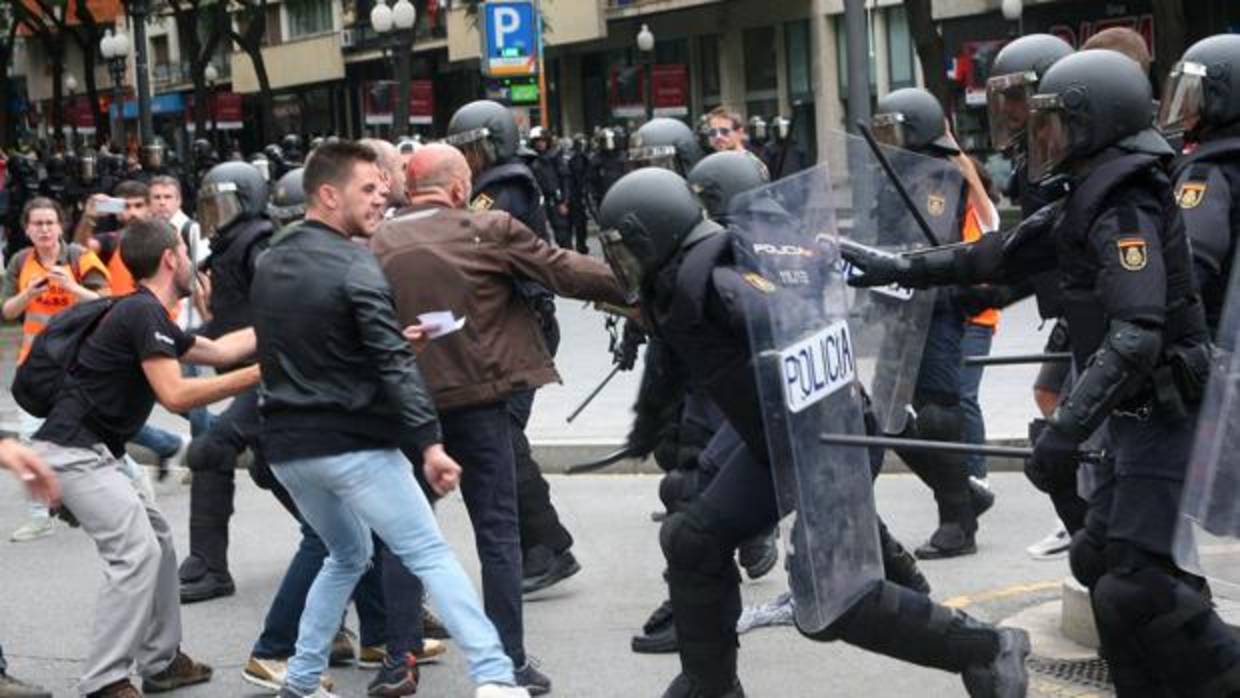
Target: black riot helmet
x=719, y=177
x=666, y=143
x=611, y=139
x=151, y=155
x=485, y=132
x=273, y=152
x=913, y=119
x=88, y=167
x=646, y=216
x=1087, y=102
x=291, y=145
x=230, y=191
x=1203, y=90
x=1014, y=77
x=288, y=200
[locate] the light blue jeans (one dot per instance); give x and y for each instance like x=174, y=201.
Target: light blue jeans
x=346, y=496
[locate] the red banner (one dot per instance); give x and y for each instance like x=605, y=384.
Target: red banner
x=79, y=114
x=670, y=90
x=670, y=84
x=379, y=97
x=224, y=111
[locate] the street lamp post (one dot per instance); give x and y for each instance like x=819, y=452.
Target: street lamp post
x=397, y=20
x=115, y=48
x=645, y=46
x=139, y=9
x=71, y=86
x=212, y=74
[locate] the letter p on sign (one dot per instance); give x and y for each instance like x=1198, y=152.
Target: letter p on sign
x=507, y=21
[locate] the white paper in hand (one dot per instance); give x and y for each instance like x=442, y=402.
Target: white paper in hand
x=440, y=323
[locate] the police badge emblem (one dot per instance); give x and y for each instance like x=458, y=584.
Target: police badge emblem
x=482, y=202
x=1190, y=194
x=1132, y=253
x=936, y=204
x=758, y=281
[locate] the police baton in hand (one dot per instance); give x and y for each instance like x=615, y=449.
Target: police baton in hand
x=896, y=443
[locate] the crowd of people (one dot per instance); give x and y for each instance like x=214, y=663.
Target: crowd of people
x=312, y=287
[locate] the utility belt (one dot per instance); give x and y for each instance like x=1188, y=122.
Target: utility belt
x=538, y=299
x=1174, y=389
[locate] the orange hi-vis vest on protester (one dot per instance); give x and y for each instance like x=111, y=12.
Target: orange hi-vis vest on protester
x=972, y=231
x=119, y=277
x=53, y=300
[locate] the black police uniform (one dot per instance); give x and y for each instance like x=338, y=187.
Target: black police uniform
x=606, y=166
x=1207, y=189
x=578, y=207
x=213, y=456
x=553, y=181
x=511, y=187
x=698, y=304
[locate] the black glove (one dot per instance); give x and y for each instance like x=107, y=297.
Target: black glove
x=875, y=267
x=1052, y=467
x=974, y=299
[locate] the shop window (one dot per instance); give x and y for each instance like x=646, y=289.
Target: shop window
x=900, y=49
x=760, y=69
x=800, y=56
x=708, y=52
x=307, y=17
x=841, y=58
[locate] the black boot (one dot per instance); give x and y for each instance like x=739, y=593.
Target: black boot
x=658, y=633
x=759, y=554
x=946, y=476
x=683, y=687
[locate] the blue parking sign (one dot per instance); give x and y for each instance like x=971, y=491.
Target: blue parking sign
x=510, y=38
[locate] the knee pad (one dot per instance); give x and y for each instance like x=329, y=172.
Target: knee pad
x=691, y=546
x=939, y=422
x=678, y=488
x=1086, y=559
x=208, y=453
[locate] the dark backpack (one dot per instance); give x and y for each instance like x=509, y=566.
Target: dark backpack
x=53, y=355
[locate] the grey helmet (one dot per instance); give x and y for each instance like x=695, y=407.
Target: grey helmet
x=720, y=177
x=1087, y=102
x=230, y=191
x=151, y=155
x=756, y=129
x=645, y=217
x=781, y=128
x=288, y=199
x=1203, y=90
x=912, y=118
x=485, y=131
x=1014, y=77
x=666, y=143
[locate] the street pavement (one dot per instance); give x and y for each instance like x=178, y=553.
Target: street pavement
x=580, y=630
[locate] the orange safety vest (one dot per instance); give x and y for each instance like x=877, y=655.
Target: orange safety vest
x=972, y=231
x=123, y=283
x=54, y=299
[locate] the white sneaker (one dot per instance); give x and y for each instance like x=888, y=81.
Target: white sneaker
x=778, y=611
x=37, y=527
x=496, y=690
x=1051, y=547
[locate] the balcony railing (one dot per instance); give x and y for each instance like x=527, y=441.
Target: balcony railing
x=169, y=74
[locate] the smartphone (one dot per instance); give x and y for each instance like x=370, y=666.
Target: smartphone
x=110, y=204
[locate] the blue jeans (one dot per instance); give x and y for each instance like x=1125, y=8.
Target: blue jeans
x=163, y=443
x=279, y=637
x=976, y=342
x=346, y=496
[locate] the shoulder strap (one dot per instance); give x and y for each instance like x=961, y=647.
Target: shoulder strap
x=1086, y=201
x=1210, y=150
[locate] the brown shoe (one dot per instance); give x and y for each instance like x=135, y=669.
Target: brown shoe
x=342, y=652
x=182, y=672
x=120, y=689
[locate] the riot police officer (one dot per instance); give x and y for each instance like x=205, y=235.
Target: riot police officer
x=151, y=156
x=611, y=144
x=1141, y=344
x=232, y=212
x=486, y=133
x=1201, y=102
x=666, y=143
x=578, y=163
x=294, y=154
x=554, y=181
x=288, y=199
x=913, y=119
x=684, y=268
x=783, y=155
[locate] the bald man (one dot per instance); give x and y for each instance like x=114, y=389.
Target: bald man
x=440, y=256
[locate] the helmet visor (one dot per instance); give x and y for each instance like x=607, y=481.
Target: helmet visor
x=623, y=263
x=1050, y=140
x=1007, y=106
x=218, y=205
x=475, y=145
x=1183, y=98
x=663, y=156
x=889, y=129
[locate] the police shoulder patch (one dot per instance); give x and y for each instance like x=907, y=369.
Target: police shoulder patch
x=936, y=204
x=1190, y=194
x=758, y=281
x=1133, y=255
x=482, y=202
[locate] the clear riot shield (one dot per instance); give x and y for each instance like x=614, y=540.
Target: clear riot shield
x=1207, y=536
x=890, y=323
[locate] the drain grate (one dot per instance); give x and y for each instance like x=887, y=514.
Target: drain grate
x=1092, y=673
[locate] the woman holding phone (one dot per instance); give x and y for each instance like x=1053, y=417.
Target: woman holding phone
x=41, y=281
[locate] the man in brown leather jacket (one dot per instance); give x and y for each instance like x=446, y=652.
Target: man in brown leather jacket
x=440, y=256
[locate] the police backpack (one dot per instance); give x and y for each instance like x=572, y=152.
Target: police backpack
x=40, y=379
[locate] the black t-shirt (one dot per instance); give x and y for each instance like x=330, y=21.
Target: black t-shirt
x=107, y=398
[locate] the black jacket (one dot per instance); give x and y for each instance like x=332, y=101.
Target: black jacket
x=234, y=252
x=331, y=350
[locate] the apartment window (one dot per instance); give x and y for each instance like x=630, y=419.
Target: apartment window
x=899, y=49
x=306, y=17
x=799, y=55
x=272, y=35
x=760, y=69
x=708, y=52
x=159, y=50
x=841, y=58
